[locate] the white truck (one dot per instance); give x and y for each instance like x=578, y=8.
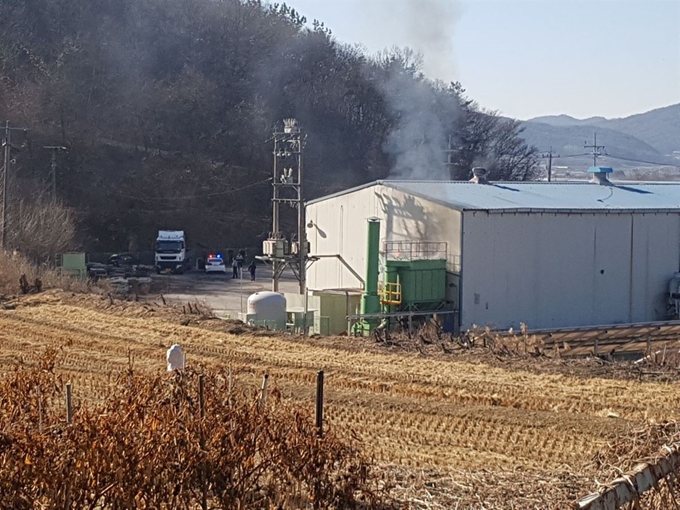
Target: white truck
x=171, y=251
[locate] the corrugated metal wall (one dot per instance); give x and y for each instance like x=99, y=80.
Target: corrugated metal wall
x=556, y=270
x=340, y=227
x=543, y=269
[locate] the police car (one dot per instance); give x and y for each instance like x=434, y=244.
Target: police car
x=215, y=264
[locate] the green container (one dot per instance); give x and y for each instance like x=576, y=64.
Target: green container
x=73, y=264
x=422, y=281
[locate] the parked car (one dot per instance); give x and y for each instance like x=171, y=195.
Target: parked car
x=215, y=264
x=122, y=260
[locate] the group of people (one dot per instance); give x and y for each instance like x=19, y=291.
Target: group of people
x=237, y=266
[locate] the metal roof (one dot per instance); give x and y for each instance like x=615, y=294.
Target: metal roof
x=539, y=196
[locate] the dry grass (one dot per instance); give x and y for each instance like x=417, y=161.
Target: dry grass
x=452, y=419
x=14, y=265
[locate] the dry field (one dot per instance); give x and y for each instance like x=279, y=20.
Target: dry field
x=449, y=431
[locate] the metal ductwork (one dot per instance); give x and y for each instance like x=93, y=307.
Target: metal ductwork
x=479, y=175
x=370, y=302
x=600, y=175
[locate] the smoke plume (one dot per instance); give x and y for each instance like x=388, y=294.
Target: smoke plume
x=425, y=112
x=418, y=139
x=426, y=26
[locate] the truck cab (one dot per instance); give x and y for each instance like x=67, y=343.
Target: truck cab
x=171, y=252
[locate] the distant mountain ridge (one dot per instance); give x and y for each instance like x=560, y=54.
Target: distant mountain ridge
x=651, y=136
x=566, y=120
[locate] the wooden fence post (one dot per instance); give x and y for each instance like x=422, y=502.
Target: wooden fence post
x=40, y=411
x=201, y=397
x=69, y=408
x=319, y=402
x=263, y=390
x=204, y=471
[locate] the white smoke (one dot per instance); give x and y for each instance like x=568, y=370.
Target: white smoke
x=418, y=139
x=426, y=26
x=420, y=136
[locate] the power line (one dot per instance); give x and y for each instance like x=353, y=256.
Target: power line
x=186, y=197
x=574, y=155
x=640, y=161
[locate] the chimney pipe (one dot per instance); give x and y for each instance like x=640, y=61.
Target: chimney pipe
x=370, y=302
x=479, y=175
x=600, y=175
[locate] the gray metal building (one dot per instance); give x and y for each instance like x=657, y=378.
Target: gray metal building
x=545, y=254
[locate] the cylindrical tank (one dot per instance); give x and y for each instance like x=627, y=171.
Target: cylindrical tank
x=268, y=308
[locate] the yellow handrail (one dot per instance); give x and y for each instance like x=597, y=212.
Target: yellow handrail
x=390, y=293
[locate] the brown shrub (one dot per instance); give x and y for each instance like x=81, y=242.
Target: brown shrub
x=149, y=447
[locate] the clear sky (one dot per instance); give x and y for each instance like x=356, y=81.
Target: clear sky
x=528, y=57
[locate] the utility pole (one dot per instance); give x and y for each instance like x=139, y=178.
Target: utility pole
x=596, y=149
x=450, y=163
x=549, y=155
x=302, y=224
x=7, y=159
x=7, y=141
x=54, y=149
x=288, y=186
x=276, y=228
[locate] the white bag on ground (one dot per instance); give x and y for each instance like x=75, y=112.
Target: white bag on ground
x=175, y=358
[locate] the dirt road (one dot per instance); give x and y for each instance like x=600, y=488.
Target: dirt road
x=225, y=295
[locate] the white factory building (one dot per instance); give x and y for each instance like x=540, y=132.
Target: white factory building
x=548, y=255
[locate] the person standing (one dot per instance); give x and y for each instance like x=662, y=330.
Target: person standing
x=252, y=267
x=234, y=267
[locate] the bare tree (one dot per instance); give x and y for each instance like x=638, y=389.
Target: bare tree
x=40, y=229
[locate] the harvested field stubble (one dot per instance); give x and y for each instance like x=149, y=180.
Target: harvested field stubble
x=147, y=446
x=501, y=426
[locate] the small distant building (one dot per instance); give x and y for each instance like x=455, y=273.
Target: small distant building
x=545, y=254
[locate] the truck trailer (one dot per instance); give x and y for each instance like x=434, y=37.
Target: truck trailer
x=171, y=251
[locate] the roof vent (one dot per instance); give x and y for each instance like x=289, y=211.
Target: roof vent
x=600, y=174
x=479, y=175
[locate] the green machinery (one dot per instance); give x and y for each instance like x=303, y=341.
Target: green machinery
x=413, y=284
x=73, y=264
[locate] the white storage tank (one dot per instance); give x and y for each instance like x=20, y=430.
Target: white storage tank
x=267, y=309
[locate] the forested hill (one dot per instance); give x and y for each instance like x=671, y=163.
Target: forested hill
x=166, y=108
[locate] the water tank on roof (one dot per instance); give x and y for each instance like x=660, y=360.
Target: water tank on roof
x=268, y=309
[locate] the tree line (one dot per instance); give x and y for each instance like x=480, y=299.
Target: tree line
x=167, y=107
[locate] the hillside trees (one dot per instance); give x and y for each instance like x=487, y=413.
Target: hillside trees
x=167, y=107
